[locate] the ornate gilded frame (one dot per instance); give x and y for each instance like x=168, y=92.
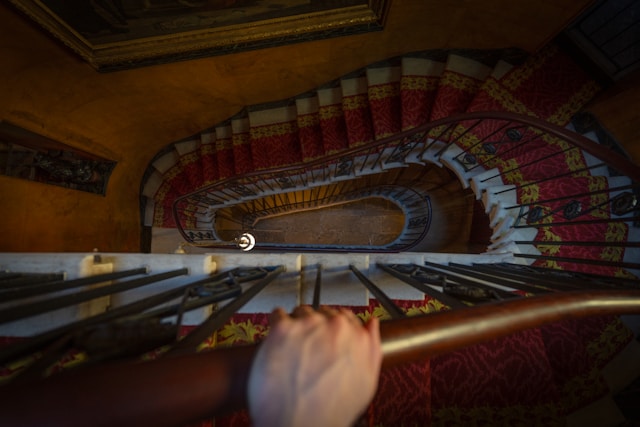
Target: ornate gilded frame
x=190, y=44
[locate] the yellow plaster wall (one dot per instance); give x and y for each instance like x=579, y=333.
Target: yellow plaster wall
x=128, y=116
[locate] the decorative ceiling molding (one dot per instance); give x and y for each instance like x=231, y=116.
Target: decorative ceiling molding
x=115, y=35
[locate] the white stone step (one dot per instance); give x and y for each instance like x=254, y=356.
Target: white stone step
x=449, y=159
x=432, y=153
x=482, y=181
x=505, y=195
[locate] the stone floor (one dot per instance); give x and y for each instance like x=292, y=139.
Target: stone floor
x=373, y=221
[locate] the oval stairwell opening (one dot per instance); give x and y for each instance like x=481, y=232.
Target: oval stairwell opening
x=373, y=221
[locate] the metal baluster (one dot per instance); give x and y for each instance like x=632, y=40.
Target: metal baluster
x=422, y=287
x=316, y=289
x=394, y=311
x=31, y=309
x=218, y=319
x=61, y=285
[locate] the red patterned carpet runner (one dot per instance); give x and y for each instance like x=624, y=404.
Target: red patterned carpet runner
x=535, y=377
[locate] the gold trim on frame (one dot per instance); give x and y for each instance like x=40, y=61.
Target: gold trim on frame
x=137, y=52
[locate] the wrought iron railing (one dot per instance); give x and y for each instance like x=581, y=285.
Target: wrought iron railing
x=504, y=157
x=482, y=302
x=414, y=205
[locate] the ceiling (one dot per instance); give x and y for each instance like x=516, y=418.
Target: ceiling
x=130, y=115
x=47, y=88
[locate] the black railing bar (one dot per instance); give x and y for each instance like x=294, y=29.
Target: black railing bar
x=549, y=178
x=620, y=31
x=181, y=310
x=209, y=196
x=539, y=281
x=190, y=343
x=231, y=291
x=550, y=213
x=623, y=165
x=518, y=144
x=265, y=181
x=462, y=277
x=594, y=207
x=548, y=156
x=605, y=23
x=412, y=195
x=225, y=195
x=436, y=139
x=630, y=45
x=278, y=200
x=35, y=342
x=304, y=180
x=256, y=183
x=493, y=277
x=488, y=157
x=620, y=264
x=37, y=369
x=484, y=139
x=575, y=196
x=32, y=279
x=337, y=189
x=31, y=309
x=394, y=311
x=365, y=154
x=580, y=243
x=424, y=288
x=542, y=271
x=61, y=285
x=402, y=142
x=311, y=171
x=457, y=137
x=316, y=289
x=578, y=140
x=571, y=223
x=381, y=152
x=335, y=168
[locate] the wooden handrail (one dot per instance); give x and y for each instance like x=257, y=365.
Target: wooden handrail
x=175, y=391
x=413, y=338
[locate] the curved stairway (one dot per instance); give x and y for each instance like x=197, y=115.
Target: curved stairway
x=559, y=374
x=526, y=201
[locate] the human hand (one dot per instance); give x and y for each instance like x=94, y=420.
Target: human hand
x=315, y=368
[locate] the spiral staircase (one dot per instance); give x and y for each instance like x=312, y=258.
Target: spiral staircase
x=562, y=207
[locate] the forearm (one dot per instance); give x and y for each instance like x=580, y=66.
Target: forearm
x=166, y=392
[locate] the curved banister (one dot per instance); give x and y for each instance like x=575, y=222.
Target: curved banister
x=608, y=156
x=361, y=194
x=412, y=338
x=216, y=381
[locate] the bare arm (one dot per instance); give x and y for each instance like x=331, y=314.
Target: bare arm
x=166, y=392
x=320, y=352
